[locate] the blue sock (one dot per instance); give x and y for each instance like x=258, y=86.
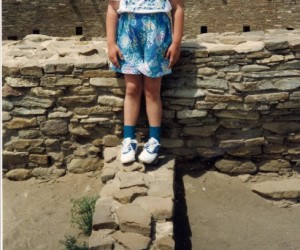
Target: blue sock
x=129, y=131
x=155, y=133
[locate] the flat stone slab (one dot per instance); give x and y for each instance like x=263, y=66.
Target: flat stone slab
x=132, y=241
x=133, y=218
x=101, y=239
x=283, y=189
x=160, y=208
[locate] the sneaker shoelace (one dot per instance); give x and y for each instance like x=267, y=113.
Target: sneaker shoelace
x=152, y=146
x=126, y=146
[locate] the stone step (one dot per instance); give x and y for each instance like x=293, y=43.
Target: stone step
x=282, y=189
x=136, y=202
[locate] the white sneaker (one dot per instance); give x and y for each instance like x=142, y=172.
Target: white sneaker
x=129, y=148
x=150, y=151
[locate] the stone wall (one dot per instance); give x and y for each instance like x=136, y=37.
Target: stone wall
x=61, y=17
x=233, y=99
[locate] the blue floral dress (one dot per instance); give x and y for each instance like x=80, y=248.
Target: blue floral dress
x=143, y=39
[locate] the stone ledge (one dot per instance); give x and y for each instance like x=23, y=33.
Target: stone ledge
x=135, y=208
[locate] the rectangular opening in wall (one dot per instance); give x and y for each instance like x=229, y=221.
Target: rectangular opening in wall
x=203, y=29
x=246, y=28
x=35, y=31
x=224, y=2
x=79, y=31
x=289, y=28
x=12, y=38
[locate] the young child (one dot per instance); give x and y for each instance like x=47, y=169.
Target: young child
x=141, y=46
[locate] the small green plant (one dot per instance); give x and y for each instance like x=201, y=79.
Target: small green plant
x=82, y=213
x=70, y=243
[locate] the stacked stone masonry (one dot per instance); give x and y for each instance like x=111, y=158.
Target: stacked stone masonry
x=135, y=208
x=68, y=18
x=233, y=99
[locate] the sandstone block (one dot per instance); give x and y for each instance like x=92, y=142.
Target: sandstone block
x=191, y=113
x=244, y=151
x=33, y=102
x=276, y=44
x=47, y=173
x=110, y=101
x=19, y=123
x=54, y=127
x=103, y=218
x=58, y=114
x=249, y=46
x=222, y=98
x=32, y=71
x=14, y=159
x=110, y=188
x=135, y=219
x=164, y=243
x=107, y=82
x=21, y=82
x=127, y=195
x=94, y=110
x=254, y=68
x=287, y=83
x=71, y=101
x=57, y=67
x=78, y=166
x=161, y=189
x=237, y=115
x=163, y=229
x=267, y=97
x=6, y=116
x=133, y=241
x=283, y=189
x=26, y=112
x=7, y=106
x=130, y=179
x=109, y=171
x=274, y=165
x=209, y=152
x=160, y=208
x=110, y=153
x=38, y=159
x=236, y=167
x=282, y=127
x=41, y=92
x=183, y=93
x=19, y=174
x=101, y=239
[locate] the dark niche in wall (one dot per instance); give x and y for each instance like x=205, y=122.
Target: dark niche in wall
x=246, y=28
x=203, y=29
x=79, y=31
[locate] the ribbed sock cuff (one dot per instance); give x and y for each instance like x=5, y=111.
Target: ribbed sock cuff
x=129, y=131
x=154, y=132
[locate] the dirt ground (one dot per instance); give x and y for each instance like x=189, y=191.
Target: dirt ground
x=224, y=214
x=36, y=213
x=216, y=212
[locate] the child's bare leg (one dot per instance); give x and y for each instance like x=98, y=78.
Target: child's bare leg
x=154, y=113
x=153, y=100
x=134, y=86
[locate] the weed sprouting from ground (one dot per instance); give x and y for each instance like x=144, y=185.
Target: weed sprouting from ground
x=70, y=243
x=82, y=215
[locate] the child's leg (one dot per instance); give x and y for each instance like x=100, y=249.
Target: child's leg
x=153, y=100
x=154, y=113
x=152, y=88
x=134, y=86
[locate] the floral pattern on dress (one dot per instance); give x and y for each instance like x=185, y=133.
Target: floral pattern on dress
x=144, y=40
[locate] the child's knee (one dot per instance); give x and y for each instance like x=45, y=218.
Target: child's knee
x=133, y=90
